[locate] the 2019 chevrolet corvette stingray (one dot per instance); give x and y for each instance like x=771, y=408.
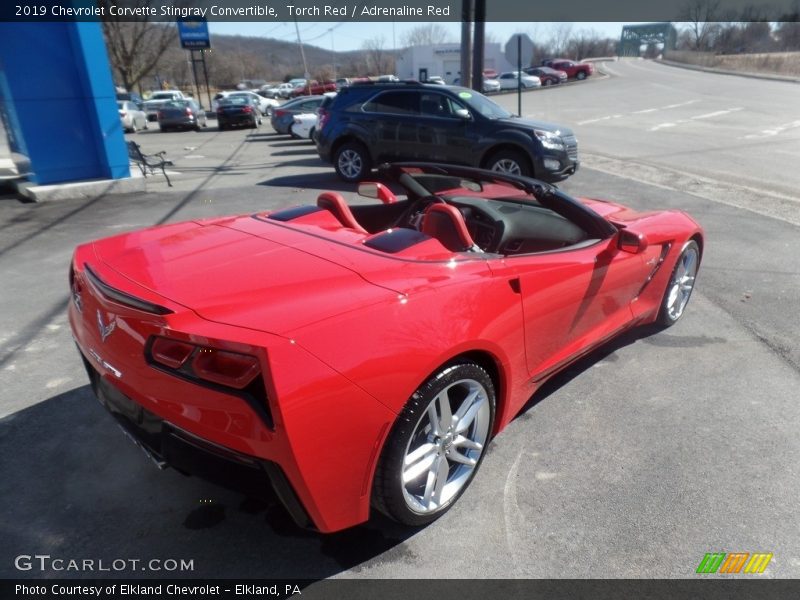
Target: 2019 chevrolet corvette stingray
x=358, y=357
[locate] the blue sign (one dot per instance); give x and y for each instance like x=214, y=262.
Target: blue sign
x=194, y=34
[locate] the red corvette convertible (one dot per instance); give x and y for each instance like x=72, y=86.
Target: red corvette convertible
x=363, y=356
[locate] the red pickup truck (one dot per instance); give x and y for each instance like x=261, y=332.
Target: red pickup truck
x=314, y=88
x=572, y=69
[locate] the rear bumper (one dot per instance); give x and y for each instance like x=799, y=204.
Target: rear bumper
x=170, y=446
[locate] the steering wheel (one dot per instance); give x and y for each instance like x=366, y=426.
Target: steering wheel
x=412, y=217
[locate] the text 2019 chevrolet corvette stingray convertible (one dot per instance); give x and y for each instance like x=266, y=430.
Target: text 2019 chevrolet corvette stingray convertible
x=363, y=356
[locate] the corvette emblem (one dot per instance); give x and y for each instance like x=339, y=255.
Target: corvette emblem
x=105, y=330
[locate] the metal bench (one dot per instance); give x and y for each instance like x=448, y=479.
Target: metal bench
x=149, y=162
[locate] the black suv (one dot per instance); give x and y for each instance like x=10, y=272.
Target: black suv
x=367, y=124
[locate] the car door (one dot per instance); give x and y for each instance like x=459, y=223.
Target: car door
x=391, y=118
x=573, y=298
x=443, y=135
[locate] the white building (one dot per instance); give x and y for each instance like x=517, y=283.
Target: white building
x=444, y=60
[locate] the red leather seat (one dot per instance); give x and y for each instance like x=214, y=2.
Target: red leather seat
x=446, y=224
x=335, y=204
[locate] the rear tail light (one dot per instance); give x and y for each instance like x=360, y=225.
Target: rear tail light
x=280, y=113
x=189, y=111
x=324, y=116
x=171, y=353
x=123, y=114
x=247, y=109
x=160, y=115
x=229, y=369
x=226, y=368
x=234, y=373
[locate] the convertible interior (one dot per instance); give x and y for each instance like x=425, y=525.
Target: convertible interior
x=467, y=211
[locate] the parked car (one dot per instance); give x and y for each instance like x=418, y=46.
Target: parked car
x=283, y=90
x=237, y=111
x=458, y=302
x=489, y=85
x=388, y=78
x=157, y=99
x=131, y=117
x=574, y=70
x=283, y=116
x=265, y=105
x=304, y=125
x=436, y=79
x=366, y=125
x=314, y=88
x=181, y=114
x=490, y=74
x=131, y=97
x=342, y=82
x=547, y=75
x=509, y=80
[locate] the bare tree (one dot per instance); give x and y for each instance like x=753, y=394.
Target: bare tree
x=377, y=57
x=426, y=35
x=560, y=39
x=134, y=47
x=701, y=16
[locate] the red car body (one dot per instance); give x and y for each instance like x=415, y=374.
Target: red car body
x=305, y=331
x=574, y=70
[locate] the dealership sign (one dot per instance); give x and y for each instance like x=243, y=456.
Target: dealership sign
x=193, y=34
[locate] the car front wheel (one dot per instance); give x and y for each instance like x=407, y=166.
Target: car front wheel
x=352, y=162
x=436, y=445
x=581, y=75
x=509, y=161
x=680, y=286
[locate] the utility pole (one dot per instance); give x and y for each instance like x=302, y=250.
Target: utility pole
x=466, y=43
x=477, y=49
x=302, y=53
x=333, y=54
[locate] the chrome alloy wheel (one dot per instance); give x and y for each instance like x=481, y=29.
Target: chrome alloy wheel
x=445, y=446
x=682, y=283
x=507, y=165
x=350, y=163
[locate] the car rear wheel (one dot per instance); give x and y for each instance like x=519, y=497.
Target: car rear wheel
x=352, y=162
x=680, y=286
x=436, y=445
x=546, y=82
x=509, y=161
x=580, y=75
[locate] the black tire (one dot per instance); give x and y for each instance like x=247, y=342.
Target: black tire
x=580, y=75
x=311, y=133
x=512, y=162
x=680, y=285
x=419, y=500
x=546, y=82
x=133, y=128
x=352, y=162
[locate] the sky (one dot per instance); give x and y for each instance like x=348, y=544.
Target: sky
x=351, y=35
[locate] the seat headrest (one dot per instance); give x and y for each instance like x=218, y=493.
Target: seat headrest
x=446, y=224
x=333, y=202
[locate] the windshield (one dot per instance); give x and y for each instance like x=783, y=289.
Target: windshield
x=162, y=96
x=482, y=104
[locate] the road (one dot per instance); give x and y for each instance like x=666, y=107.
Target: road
x=634, y=463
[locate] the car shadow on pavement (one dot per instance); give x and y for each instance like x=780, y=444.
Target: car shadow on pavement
x=75, y=487
x=605, y=352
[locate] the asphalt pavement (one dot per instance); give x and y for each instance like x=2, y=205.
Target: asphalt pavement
x=637, y=461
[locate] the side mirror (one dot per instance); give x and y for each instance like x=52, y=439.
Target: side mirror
x=631, y=241
x=370, y=189
x=463, y=113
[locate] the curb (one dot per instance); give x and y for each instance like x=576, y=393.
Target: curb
x=680, y=65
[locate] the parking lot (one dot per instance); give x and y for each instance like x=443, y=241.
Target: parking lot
x=635, y=462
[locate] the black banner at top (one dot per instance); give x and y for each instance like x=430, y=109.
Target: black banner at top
x=421, y=11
